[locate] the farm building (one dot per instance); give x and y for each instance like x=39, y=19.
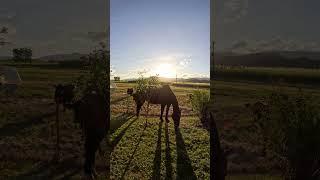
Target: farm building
x=9, y=79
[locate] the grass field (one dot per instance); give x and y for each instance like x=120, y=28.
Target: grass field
x=231, y=93
x=138, y=152
x=157, y=151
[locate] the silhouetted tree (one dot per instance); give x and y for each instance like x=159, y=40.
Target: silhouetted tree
x=22, y=54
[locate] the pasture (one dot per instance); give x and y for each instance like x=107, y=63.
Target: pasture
x=27, y=129
x=137, y=151
x=157, y=151
x=232, y=89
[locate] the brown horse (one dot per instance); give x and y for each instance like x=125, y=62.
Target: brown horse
x=164, y=96
x=92, y=112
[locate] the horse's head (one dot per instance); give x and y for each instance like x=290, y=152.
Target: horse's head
x=58, y=93
x=130, y=91
x=64, y=93
x=176, y=116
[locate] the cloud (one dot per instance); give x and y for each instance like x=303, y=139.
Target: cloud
x=273, y=44
x=234, y=10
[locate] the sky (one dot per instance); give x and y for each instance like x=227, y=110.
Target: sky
x=251, y=25
x=53, y=27
x=167, y=37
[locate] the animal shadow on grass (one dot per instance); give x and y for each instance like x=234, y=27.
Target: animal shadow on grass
x=122, y=119
x=13, y=129
x=168, y=155
x=184, y=167
x=157, y=157
x=48, y=170
x=133, y=153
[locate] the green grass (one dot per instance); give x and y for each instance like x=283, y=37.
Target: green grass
x=157, y=151
x=26, y=123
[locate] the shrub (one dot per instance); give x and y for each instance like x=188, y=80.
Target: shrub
x=143, y=84
x=200, y=102
x=292, y=132
x=97, y=75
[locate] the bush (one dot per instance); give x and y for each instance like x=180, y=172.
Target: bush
x=200, y=102
x=144, y=84
x=97, y=74
x=292, y=131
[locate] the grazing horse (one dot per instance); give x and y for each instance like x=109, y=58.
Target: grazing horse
x=92, y=112
x=162, y=95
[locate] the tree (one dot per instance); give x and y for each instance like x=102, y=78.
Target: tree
x=116, y=78
x=97, y=74
x=22, y=54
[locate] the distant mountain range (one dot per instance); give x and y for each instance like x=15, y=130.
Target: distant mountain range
x=62, y=57
x=163, y=79
x=297, y=59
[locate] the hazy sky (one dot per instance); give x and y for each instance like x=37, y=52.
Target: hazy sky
x=161, y=37
x=251, y=25
x=50, y=27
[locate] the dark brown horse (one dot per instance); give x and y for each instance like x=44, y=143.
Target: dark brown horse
x=92, y=112
x=163, y=96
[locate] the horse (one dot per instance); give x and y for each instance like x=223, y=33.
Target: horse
x=159, y=95
x=92, y=112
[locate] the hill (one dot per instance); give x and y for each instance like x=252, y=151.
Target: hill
x=62, y=57
x=294, y=59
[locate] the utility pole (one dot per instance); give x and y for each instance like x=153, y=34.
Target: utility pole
x=176, y=78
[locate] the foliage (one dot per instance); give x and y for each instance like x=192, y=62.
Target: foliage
x=144, y=84
x=292, y=131
x=22, y=54
x=200, y=102
x=97, y=73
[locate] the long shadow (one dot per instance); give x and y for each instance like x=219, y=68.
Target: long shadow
x=13, y=129
x=184, y=167
x=49, y=170
x=117, y=139
x=156, y=173
x=134, y=152
x=168, y=155
x=118, y=121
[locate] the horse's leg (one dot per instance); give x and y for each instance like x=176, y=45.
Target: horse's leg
x=58, y=133
x=162, y=109
x=167, y=111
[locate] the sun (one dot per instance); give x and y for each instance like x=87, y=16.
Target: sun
x=166, y=70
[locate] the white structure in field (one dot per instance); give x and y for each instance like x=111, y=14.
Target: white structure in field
x=9, y=79
x=113, y=86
